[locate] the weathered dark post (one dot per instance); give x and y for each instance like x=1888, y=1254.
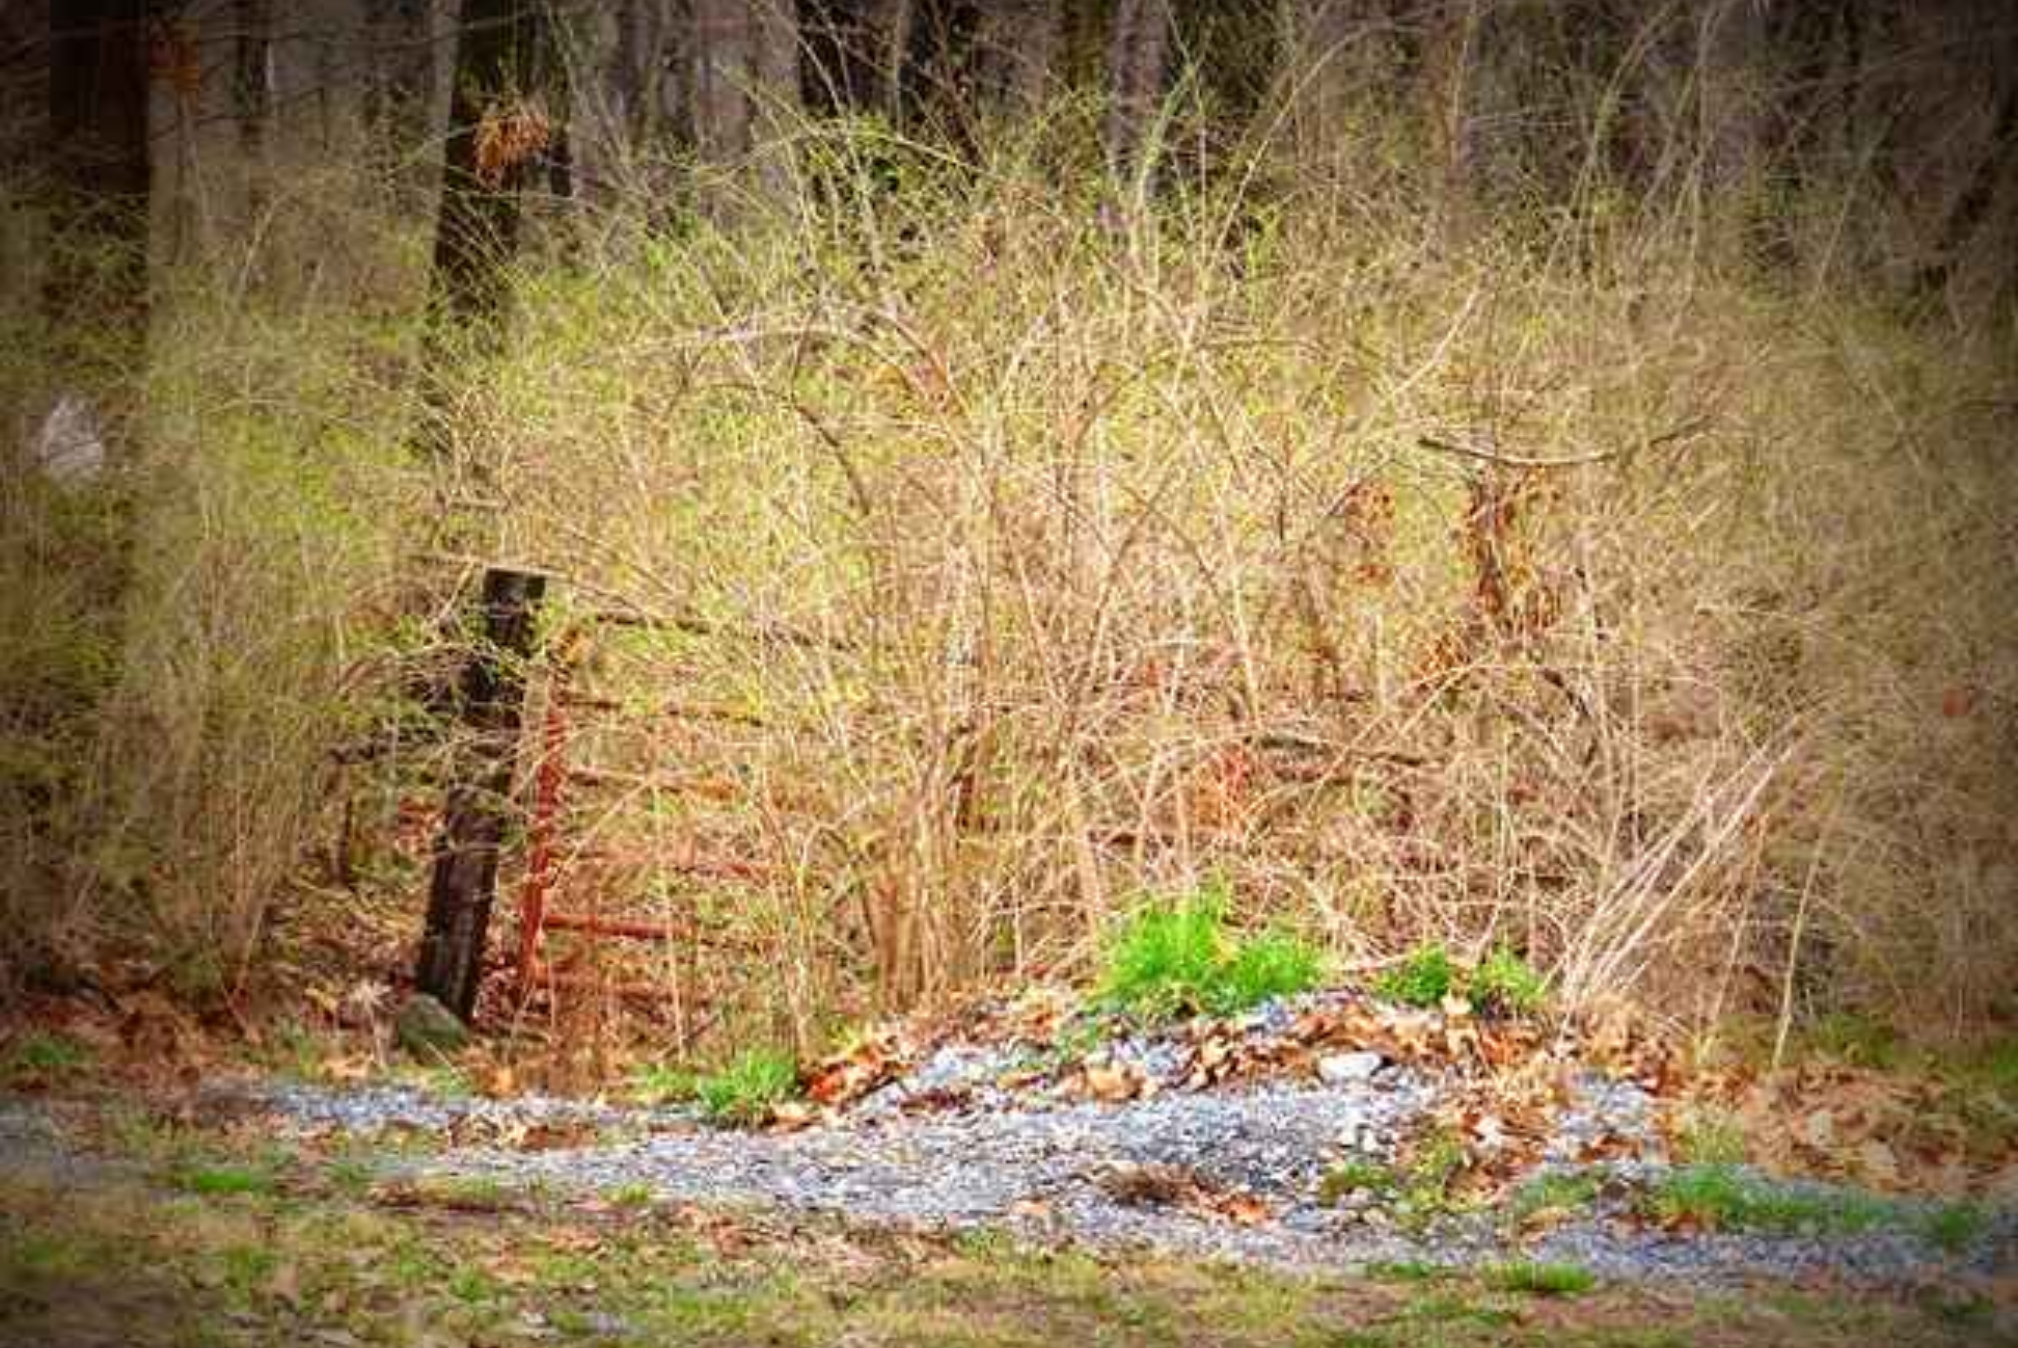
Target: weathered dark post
x=479, y=798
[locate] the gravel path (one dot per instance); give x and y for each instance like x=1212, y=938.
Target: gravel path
x=1166, y=1171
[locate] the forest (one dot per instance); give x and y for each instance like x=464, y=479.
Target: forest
x=865, y=584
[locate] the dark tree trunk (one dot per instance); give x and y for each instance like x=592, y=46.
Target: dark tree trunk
x=1017, y=45
x=478, y=811
x=98, y=163
x=745, y=83
x=499, y=66
x=1137, y=64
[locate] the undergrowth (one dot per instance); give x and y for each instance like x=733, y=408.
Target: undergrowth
x=998, y=555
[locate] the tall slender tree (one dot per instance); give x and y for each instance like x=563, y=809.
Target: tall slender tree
x=98, y=161
x=745, y=82
x=499, y=132
x=1138, y=61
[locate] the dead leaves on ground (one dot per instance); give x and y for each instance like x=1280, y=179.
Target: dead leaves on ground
x=1180, y=1187
x=1888, y=1131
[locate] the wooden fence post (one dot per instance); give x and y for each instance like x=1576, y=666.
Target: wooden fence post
x=478, y=809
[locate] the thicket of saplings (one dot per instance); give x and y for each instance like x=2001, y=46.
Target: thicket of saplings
x=1569, y=583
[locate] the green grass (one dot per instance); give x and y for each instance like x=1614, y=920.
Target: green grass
x=1424, y=979
x=1501, y=984
x=1177, y=958
x=1954, y=1227
x=43, y=1059
x=1355, y=1177
x=1711, y=1138
x=1425, y=1189
x=128, y=1264
x=1557, y=1191
x=662, y=1083
x=1408, y=1271
x=1542, y=1279
x=224, y=1179
x=745, y=1091
x=1724, y=1198
x=638, y=1195
x=1506, y=984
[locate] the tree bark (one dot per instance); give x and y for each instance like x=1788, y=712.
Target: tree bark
x=1448, y=99
x=1017, y=45
x=498, y=68
x=745, y=62
x=1137, y=65
x=627, y=93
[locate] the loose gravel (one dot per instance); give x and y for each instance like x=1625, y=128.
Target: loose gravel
x=1057, y=1169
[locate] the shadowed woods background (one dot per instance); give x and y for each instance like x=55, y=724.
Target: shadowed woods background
x=1487, y=472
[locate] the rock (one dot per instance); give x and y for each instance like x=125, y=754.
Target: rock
x=427, y=1029
x=1337, y=1069
x=69, y=447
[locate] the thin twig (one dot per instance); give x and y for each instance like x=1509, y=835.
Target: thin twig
x=1683, y=432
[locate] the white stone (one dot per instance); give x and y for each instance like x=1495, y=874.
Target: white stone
x=1338, y=1068
x=68, y=447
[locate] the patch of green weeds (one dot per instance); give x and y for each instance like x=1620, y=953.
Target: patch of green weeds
x=662, y=1083
x=635, y=1195
x=350, y=1175
x=40, y=1059
x=1424, y=979
x=1722, y=1197
x=1954, y=1227
x=467, y=1193
x=1175, y=959
x=745, y=1091
x=1408, y=1271
x=1558, y=1191
x=224, y=1179
x=1712, y=1138
x=1425, y=1190
x=1355, y=1176
x=1505, y=984
x=1445, y=1308
x=1502, y=984
x=1855, y=1039
x=1272, y=964
x=1542, y=1279
x=292, y=1050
